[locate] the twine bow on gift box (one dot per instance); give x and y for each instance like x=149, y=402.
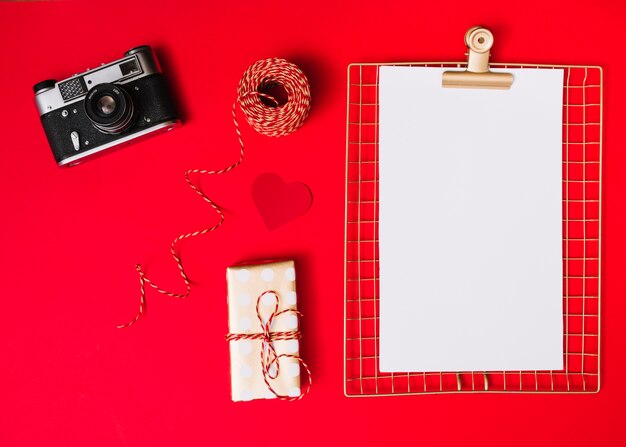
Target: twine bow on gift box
x=269, y=357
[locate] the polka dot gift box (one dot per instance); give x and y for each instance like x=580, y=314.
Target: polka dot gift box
x=264, y=333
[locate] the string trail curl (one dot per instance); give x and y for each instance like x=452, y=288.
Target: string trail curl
x=268, y=118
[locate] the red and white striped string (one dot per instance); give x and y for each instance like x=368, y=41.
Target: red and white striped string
x=273, y=120
x=269, y=357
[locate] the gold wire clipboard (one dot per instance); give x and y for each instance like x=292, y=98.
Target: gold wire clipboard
x=582, y=181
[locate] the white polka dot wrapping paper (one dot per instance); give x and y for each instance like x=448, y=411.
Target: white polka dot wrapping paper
x=263, y=292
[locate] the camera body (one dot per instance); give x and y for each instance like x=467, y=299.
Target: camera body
x=106, y=107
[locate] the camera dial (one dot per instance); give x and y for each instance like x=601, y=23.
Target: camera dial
x=137, y=50
x=44, y=85
x=109, y=108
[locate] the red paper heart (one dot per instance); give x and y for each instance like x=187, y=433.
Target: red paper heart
x=279, y=202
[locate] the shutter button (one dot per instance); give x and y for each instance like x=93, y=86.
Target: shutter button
x=75, y=140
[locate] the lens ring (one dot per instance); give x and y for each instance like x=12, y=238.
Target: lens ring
x=109, y=108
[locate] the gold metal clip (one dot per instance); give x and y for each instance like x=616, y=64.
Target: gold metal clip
x=479, y=41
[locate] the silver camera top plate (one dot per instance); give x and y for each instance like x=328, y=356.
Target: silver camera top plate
x=73, y=89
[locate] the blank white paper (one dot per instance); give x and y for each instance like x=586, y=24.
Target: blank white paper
x=470, y=232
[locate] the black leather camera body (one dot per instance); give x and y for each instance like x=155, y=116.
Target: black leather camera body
x=106, y=107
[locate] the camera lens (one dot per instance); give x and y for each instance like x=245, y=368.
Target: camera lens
x=109, y=108
x=106, y=104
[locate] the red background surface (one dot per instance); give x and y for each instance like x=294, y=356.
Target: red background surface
x=69, y=238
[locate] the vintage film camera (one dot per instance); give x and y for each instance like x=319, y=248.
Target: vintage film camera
x=105, y=107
